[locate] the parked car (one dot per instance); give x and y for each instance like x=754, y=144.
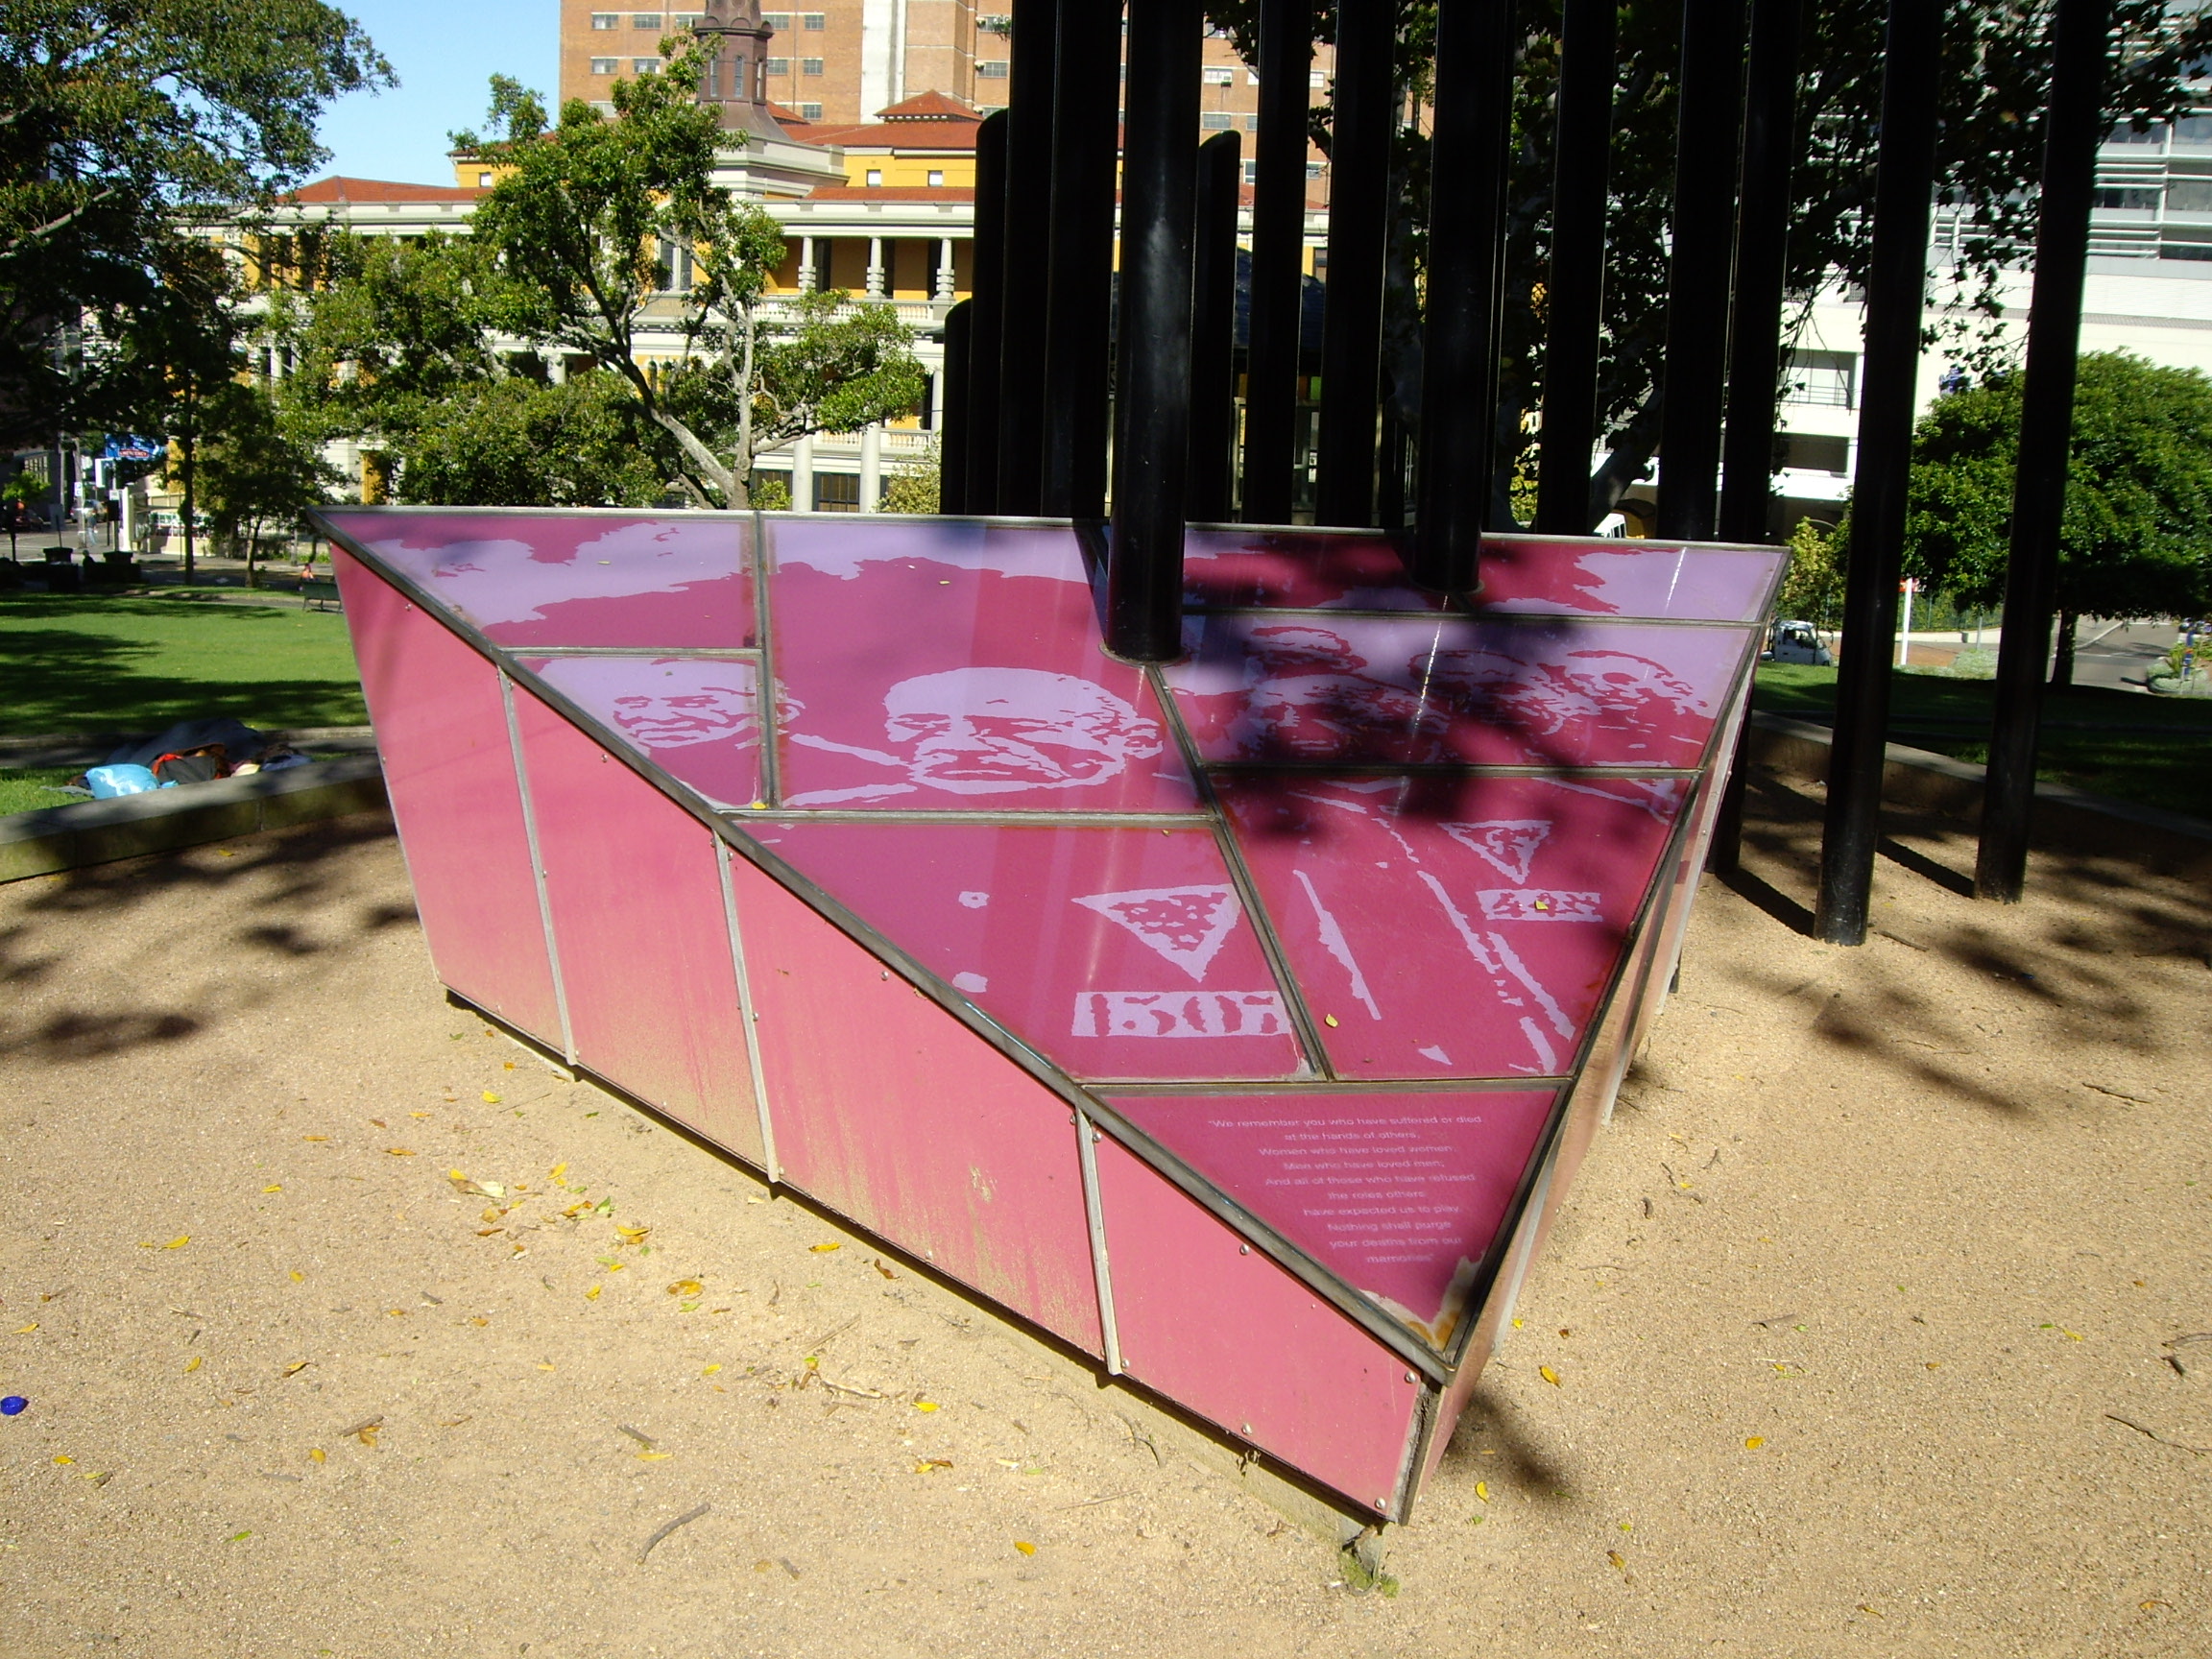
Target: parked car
x=1797, y=643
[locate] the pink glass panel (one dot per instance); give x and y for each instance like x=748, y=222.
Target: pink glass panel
x=1593, y=576
x=886, y=1109
x=1400, y=1194
x=644, y=940
x=1457, y=926
x=575, y=579
x=950, y=668
x=1243, y=1343
x=1116, y=952
x=441, y=732
x=697, y=716
x=1454, y=691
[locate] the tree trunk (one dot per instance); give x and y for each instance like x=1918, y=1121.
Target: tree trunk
x=187, y=445
x=2062, y=660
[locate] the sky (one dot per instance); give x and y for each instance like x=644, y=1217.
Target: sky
x=444, y=54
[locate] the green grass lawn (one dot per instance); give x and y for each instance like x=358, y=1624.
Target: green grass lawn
x=2165, y=759
x=88, y=663
x=27, y=789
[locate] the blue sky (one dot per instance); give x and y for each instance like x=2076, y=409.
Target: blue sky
x=446, y=55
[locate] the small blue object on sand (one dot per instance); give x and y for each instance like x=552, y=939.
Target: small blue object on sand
x=13, y=1404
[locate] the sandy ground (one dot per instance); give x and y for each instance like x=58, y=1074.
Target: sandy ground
x=1870, y=1317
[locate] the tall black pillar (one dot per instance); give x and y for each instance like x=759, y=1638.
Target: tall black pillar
x=1896, y=285
x=1574, y=296
x=1709, y=102
x=1460, y=343
x=954, y=435
x=1152, y=406
x=2080, y=45
x=1278, y=260
x=987, y=315
x=1213, y=329
x=1086, y=133
x=1026, y=258
x=1761, y=267
x=1358, y=224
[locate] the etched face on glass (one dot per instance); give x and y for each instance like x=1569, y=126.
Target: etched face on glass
x=1308, y=695
x=671, y=704
x=996, y=731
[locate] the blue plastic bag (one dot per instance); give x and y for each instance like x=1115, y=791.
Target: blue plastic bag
x=108, y=781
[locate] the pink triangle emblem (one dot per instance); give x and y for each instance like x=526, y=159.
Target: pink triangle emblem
x=1185, y=924
x=1507, y=844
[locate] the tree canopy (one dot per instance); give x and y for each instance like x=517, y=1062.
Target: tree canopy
x=2137, y=540
x=1993, y=93
x=123, y=128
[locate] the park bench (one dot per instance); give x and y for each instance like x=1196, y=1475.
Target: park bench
x=318, y=592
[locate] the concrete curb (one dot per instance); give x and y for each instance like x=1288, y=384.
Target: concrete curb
x=82, y=750
x=129, y=826
x=2064, y=816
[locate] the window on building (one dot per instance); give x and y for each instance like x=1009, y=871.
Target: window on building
x=1218, y=75
x=2193, y=130
x=1803, y=452
x=1251, y=171
x=686, y=19
x=809, y=65
x=602, y=65
x=813, y=19
x=991, y=69
x=1317, y=80
x=1823, y=379
x=1213, y=121
x=2189, y=196
x=779, y=66
x=810, y=111
x=483, y=181
x=874, y=176
x=2127, y=199
x=935, y=177
x=780, y=21
x=1312, y=170
x=644, y=19
x=1251, y=77
x=1251, y=123
x=644, y=66
x=2125, y=133
x=606, y=20
x=836, y=492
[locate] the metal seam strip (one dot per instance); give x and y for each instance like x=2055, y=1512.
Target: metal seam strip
x=1095, y=1212
x=765, y=695
x=1149, y=1087
x=1302, y=1022
x=747, y=1017
x=1504, y=618
x=706, y=653
x=536, y=865
x=782, y=815
x=1420, y=1424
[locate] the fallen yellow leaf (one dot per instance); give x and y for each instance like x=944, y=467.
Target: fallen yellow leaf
x=1025, y=1549
x=64, y=1458
x=1754, y=1442
x=710, y=1370
x=925, y=1404
x=26, y=1330
x=417, y=1114
x=315, y=1455
x=929, y=1465
x=400, y=1151
x=653, y=1457
x=685, y=1287
x=298, y=1277
x=314, y=1137
x=274, y=1187
x=1549, y=1375
x=179, y=1242
x=489, y=1098
x=1518, y=1323
x=1482, y=1490
x=193, y=1364
x=1330, y=1020
x=633, y=1234
x=542, y=1366
x=1619, y=1564
x=824, y=1249
x=559, y=1170
x=593, y=1294
x=296, y=1366
x=456, y=1175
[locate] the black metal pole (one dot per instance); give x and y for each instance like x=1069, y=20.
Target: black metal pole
x=1459, y=348
x=1358, y=224
x=1213, y=329
x=1896, y=285
x=2080, y=45
x=1086, y=133
x=1755, y=331
x=987, y=318
x=1027, y=258
x=1708, y=102
x=1574, y=296
x=1762, y=269
x=955, y=433
x=1152, y=403
x=1278, y=260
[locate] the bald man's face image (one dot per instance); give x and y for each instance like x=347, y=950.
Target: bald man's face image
x=995, y=731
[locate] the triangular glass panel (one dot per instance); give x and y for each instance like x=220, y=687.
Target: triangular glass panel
x=698, y=717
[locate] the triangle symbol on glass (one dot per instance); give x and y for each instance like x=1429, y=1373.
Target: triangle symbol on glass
x=1508, y=844
x=1185, y=925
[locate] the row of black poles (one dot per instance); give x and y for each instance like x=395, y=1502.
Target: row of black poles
x=1277, y=287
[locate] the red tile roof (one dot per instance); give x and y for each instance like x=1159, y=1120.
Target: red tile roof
x=340, y=191
x=928, y=107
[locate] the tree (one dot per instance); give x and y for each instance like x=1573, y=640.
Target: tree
x=18, y=494
x=599, y=218
x=124, y=127
x=1993, y=94
x=2137, y=540
x=1812, y=586
x=255, y=470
